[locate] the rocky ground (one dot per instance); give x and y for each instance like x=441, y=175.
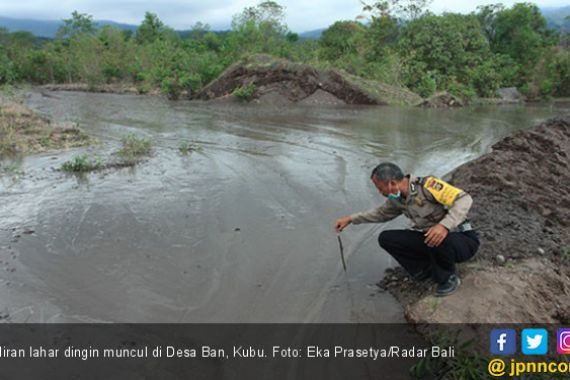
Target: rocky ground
x=442, y=100
x=521, y=210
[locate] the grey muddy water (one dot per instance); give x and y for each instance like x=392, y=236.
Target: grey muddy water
x=239, y=230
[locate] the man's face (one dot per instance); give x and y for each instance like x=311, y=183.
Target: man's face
x=385, y=188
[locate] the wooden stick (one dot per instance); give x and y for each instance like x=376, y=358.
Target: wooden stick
x=341, y=251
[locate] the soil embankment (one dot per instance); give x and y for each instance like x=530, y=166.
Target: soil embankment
x=521, y=207
x=279, y=81
x=111, y=88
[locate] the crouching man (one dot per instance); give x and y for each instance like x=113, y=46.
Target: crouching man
x=441, y=235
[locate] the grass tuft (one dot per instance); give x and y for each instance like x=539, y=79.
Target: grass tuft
x=82, y=163
x=245, y=92
x=134, y=146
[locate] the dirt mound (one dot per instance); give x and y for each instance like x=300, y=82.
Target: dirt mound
x=443, y=100
x=521, y=209
x=521, y=194
x=321, y=97
x=295, y=82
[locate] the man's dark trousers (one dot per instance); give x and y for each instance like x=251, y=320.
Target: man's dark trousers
x=409, y=249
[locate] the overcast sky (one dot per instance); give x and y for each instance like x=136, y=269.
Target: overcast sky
x=302, y=15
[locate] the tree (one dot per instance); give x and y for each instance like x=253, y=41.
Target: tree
x=267, y=13
x=340, y=39
x=22, y=40
x=447, y=47
x=116, y=51
x=292, y=37
x=73, y=40
x=79, y=23
x=150, y=29
x=7, y=70
x=4, y=36
x=199, y=30
x=411, y=9
x=382, y=28
x=165, y=65
x=405, y=9
x=487, y=16
x=519, y=32
x=381, y=34
x=259, y=29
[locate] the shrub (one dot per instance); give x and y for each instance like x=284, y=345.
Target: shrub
x=82, y=163
x=485, y=79
x=7, y=69
x=427, y=86
x=462, y=91
x=245, y=92
x=184, y=147
x=134, y=146
x=546, y=87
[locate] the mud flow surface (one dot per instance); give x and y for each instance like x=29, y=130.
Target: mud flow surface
x=238, y=230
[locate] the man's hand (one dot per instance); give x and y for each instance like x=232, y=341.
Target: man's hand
x=435, y=235
x=341, y=223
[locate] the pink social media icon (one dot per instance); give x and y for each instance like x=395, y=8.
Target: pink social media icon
x=563, y=341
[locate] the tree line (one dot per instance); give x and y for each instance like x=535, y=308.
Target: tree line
x=397, y=42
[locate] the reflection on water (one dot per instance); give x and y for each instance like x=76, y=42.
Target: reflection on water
x=239, y=230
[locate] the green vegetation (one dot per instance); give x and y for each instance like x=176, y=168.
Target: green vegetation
x=185, y=147
x=245, y=92
x=134, y=146
x=82, y=163
x=397, y=42
x=7, y=91
x=132, y=149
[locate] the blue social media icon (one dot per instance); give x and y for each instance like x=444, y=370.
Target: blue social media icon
x=534, y=341
x=503, y=341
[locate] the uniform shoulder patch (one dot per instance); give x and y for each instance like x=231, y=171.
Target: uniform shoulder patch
x=442, y=191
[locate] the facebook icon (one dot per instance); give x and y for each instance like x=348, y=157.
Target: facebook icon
x=503, y=341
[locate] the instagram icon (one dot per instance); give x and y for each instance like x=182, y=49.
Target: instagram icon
x=563, y=341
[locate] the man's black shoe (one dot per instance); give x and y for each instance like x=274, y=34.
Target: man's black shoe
x=448, y=287
x=422, y=275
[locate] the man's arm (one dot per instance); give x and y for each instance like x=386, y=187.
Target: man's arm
x=458, y=212
x=384, y=213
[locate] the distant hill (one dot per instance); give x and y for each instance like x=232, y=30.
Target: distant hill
x=48, y=28
x=41, y=28
x=557, y=17
x=312, y=34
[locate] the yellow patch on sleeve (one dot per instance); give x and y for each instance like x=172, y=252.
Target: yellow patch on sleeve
x=442, y=191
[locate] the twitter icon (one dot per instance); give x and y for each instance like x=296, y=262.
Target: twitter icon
x=534, y=342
